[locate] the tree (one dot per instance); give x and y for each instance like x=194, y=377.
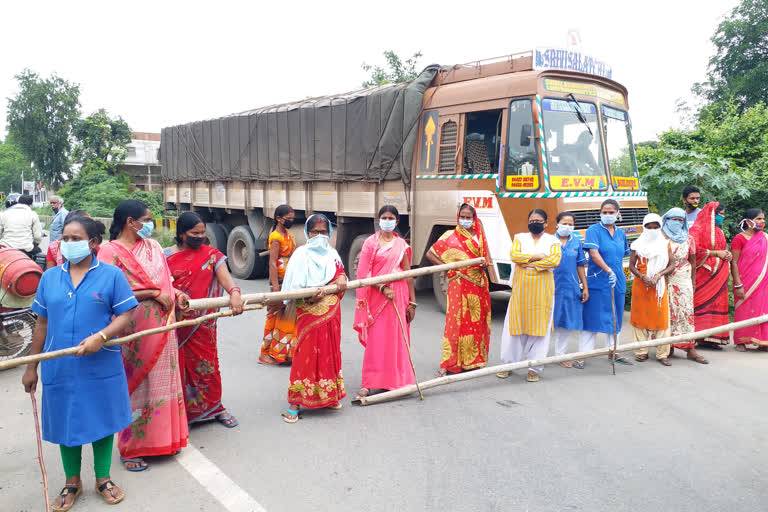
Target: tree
x=739, y=68
x=12, y=164
x=40, y=119
x=99, y=137
x=399, y=70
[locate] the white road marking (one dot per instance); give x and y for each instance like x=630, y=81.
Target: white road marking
x=219, y=485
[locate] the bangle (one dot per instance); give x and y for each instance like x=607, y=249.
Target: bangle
x=233, y=289
x=411, y=303
x=103, y=336
x=737, y=286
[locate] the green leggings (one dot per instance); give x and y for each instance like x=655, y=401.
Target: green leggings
x=102, y=458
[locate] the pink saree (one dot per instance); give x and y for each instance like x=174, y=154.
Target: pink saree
x=159, y=425
x=385, y=364
x=753, y=263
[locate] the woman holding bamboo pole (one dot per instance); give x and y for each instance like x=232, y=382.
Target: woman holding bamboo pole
x=159, y=425
x=279, y=342
x=750, y=288
x=316, y=381
x=85, y=400
x=385, y=364
x=200, y=271
x=468, y=314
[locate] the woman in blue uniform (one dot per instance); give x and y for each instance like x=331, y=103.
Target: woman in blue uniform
x=84, y=303
x=607, y=247
x=571, y=290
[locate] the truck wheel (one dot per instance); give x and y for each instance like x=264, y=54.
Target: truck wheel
x=242, y=253
x=440, y=289
x=354, y=255
x=217, y=235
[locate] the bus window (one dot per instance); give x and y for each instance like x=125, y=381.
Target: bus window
x=572, y=138
x=522, y=157
x=618, y=142
x=482, y=142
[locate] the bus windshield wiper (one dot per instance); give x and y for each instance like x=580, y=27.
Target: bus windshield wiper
x=580, y=115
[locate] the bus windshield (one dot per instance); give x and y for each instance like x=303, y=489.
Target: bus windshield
x=572, y=140
x=618, y=142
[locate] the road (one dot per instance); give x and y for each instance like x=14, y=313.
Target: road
x=684, y=438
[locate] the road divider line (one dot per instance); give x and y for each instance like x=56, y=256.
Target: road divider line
x=216, y=482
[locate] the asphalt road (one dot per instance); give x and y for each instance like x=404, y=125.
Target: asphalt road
x=684, y=438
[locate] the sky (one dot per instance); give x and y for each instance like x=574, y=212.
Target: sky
x=162, y=63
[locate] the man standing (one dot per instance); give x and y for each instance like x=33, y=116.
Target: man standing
x=691, y=198
x=57, y=224
x=20, y=227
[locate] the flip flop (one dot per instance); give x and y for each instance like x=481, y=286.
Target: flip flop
x=623, y=360
x=294, y=415
x=698, y=359
x=223, y=420
x=503, y=375
x=578, y=364
x=137, y=460
x=335, y=406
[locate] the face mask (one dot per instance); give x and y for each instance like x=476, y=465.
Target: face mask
x=608, y=219
x=146, y=229
x=194, y=242
x=719, y=220
x=75, y=252
x=55, y=210
x=674, y=226
x=651, y=233
x=535, y=227
x=759, y=226
x=466, y=223
x=692, y=206
x=563, y=230
x=319, y=242
x=287, y=223
x=387, y=225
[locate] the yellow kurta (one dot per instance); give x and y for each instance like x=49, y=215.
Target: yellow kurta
x=533, y=288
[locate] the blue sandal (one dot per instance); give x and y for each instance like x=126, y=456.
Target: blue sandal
x=293, y=415
x=228, y=421
x=623, y=360
x=137, y=460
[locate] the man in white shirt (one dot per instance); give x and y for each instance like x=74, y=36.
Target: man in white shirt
x=20, y=227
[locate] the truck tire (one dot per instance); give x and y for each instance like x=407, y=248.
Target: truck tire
x=440, y=289
x=261, y=270
x=242, y=254
x=217, y=235
x=353, y=257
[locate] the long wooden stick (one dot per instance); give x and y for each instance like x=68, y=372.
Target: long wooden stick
x=407, y=342
x=271, y=297
x=40, y=451
x=492, y=370
x=11, y=363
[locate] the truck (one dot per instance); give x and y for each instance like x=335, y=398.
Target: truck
x=546, y=128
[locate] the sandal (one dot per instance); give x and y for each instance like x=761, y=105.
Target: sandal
x=532, y=376
x=335, y=406
x=698, y=359
x=566, y=364
x=110, y=486
x=291, y=415
x=641, y=357
x=228, y=421
x=740, y=348
x=442, y=372
x=578, y=364
x=142, y=464
x=622, y=360
x=503, y=375
x=665, y=361
x=267, y=359
x=364, y=392
x=66, y=491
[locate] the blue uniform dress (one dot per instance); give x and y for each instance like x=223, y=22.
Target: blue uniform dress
x=568, y=306
x=85, y=399
x=598, y=316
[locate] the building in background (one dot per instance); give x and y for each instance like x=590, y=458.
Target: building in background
x=142, y=163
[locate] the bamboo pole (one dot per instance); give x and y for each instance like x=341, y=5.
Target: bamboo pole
x=40, y=451
x=12, y=363
x=271, y=297
x=491, y=370
x=407, y=341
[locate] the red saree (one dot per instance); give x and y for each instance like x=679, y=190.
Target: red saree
x=316, y=379
x=468, y=317
x=753, y=264
x=710, y=300
x=194, y=273
x=159, y=425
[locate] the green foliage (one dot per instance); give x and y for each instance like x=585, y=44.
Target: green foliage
x=152, y=199
x=99, y=137
x=40, y=119
x=399, y=70
x=12, y=164
x=739, y=69
x=164, y=236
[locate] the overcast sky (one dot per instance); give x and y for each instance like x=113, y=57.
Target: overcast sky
x=162, y=63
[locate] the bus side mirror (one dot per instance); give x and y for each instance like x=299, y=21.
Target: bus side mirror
x=525, y=135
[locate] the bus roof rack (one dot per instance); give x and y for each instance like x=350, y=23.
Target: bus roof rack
x=513, y=63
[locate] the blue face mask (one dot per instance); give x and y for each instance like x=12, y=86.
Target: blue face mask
x=719, y=220
x=146, y=229
x=674, y=227
x=75, y=252
x=466, y=223
x=608, y=219
x=318, y=243
x=387, y=225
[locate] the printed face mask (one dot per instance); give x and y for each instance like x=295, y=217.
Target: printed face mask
x=75, y=252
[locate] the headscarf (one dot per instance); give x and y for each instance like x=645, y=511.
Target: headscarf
x=680, y=234
x=708, y=236
x=656, y=252
x=477, y=227
x=313, y=264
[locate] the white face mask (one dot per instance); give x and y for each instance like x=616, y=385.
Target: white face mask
x=563, y=230
x=387, y=225
x=466, y=223
x=652, y=234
